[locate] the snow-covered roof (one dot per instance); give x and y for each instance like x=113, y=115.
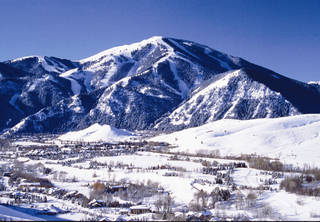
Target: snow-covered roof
x=140, y=207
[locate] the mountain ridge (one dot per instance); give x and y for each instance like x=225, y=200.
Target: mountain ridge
x=136, y=86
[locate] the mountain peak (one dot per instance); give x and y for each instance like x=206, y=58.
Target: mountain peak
x=27, y=57
x=41, y=64
x=125, y=49
x=314, y=82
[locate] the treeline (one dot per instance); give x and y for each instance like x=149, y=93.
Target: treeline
x=300, y=185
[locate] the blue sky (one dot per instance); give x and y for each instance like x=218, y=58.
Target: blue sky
x=282, y=35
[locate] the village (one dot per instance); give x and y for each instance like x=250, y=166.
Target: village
x=136, y=180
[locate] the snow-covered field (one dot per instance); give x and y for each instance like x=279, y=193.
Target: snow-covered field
x=294, y=140
x=183, y=187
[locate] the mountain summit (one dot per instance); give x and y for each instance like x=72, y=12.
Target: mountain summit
x=159, y=83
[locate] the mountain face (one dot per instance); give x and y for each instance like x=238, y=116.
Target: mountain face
x=30, y=84
x=231, y=95
x=158, y=83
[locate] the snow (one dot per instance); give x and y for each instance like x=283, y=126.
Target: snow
x=7, y=213
x=24, y=57
x=183, y=48
x=33, y=86
x=124, y=49
x=102, y=70
x=153, y=92
x=207, y=50
x=294, y=139
x=29, y=143
x=153, y=160
x=182, y=188
x=293, y=207
x=276, y=76
x=76, y=104
x=75, y=86
x=184, y=89
x=213, y=95
x=107, y=64
x=18, y=126
x=46, y=66
x=139, y=207
x=42, y=61
x=13, y=102
x=314, y=82
x=98, y=132
x=50, y=77
x=223, y=82
x=222, y=63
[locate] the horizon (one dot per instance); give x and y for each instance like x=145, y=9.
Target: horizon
x=282, y=36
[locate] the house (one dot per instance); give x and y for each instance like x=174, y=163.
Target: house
x=140, y=209
x=7, y=174
x=124, y=212
x=45, y=183
x=28, y=185
x=170, y=174
x=53, y=210
x=116, y=188
x=201, y=216
x=96, y=203
x=69, y=195
x=205, y=215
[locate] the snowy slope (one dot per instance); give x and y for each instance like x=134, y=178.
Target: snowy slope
x=8, y=214
x=232, y=95
x=40, y=65
x=29, y=84
x=110, y=66
x=60, y=117
x=293, y=139
x=98, y=132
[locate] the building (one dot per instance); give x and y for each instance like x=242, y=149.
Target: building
x=140, y=209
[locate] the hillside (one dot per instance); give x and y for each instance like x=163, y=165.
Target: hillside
x=293, y=139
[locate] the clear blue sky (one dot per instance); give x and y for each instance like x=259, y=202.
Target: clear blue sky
x=283, y=35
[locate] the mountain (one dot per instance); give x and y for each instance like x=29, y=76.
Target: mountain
x=158, y=83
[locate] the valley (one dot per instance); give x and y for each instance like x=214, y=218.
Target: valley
x=46, y=178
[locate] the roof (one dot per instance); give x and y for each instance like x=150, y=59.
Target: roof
x=140, y=207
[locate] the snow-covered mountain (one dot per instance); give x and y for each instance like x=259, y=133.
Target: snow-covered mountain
x=160, y=83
